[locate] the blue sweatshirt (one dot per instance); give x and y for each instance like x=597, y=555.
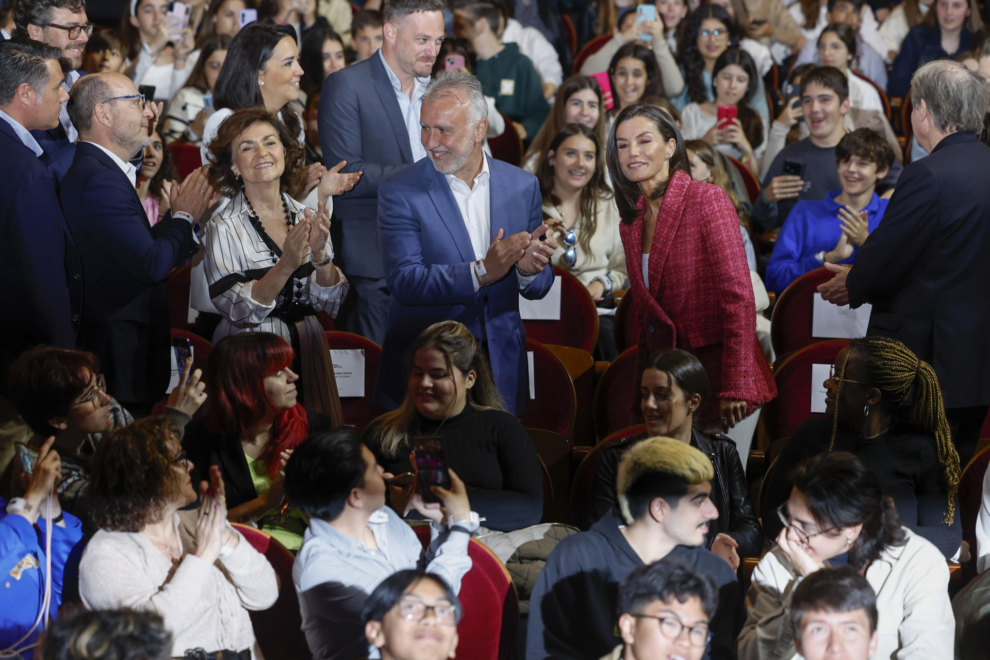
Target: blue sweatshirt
x=22, y=571
x=811, y=227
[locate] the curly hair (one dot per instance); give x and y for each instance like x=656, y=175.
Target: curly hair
x=221, y=152
x=693, y=62
x=132, y=475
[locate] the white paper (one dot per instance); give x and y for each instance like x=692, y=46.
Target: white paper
x=348, y=369
x=819, y=374
x=532, y=374
x=830, y=321
x=545, y=309
x=173, y=380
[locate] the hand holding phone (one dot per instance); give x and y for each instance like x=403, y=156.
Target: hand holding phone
x=726, y=115
x=646, y=13
x=606, y=86
x=246, y=16
x=178, y=16
x=454, y=63
x=431, y=467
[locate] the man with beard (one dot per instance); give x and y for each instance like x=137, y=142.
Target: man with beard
x=125, y=310
x=461, y=237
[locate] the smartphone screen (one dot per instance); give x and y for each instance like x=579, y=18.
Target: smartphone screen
x=180, y=11
x=246, y=16
x=454, y=63
x=182, y=352
x=645, y=13
x=606, y=85
x=431, y=465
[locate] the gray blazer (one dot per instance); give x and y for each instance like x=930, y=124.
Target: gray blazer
x=360, y=122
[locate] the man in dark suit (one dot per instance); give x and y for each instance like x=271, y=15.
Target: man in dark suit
x=925, y=268
x=369, y=116
x=126, y=312
x=41, y=296
x=62, y=24
x=461, y=241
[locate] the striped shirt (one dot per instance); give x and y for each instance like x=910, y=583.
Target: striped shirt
x=63, y=116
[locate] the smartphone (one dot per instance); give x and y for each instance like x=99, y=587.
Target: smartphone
x=182, y=352
x=148, y=91
x=645, y=13
x=181, y=11
x=431, y=465
x=246, y=16
x=726, y=113
x=454, y=63
x=794, y=168
x=208, y=100
x=602, y=79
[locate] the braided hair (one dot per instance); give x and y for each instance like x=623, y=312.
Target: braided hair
x=905, y=380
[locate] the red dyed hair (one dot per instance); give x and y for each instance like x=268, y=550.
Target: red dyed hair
x=235, y=377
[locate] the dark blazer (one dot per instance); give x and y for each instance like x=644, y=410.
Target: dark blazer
x=41, y=274
x=925, y=267
x=730, y=489
x=126, y=314
x=56, y=144
x=360, y=122
x=428, y=255
x=206, y=448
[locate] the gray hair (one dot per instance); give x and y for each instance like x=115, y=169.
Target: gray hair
x=396, y=10
x=957, y=98
x=86, y=94
x=447, y=83
x=24, y=61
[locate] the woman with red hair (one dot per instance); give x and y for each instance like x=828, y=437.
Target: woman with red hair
x=253, y=424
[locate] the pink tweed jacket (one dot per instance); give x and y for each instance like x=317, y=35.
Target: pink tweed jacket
x=699, y=297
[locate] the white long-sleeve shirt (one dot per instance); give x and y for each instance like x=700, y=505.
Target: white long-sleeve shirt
x=535, y=46
x=982, y=551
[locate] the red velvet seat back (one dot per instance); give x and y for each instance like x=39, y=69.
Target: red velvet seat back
x=589, y=49
x=186, y=158
x=615, y=393
x=359, y=411
x=626, y=324
x=790, y=327
x=578, y=323
x=793, y=378
x=555, y=404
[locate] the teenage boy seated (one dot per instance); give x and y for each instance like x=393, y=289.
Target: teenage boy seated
x=665, y=597
x=367, y=33
x=824, y=102
x=506, y=74
x=664, y=495
x=354, y=541
x=834, y=615
x=832, y=229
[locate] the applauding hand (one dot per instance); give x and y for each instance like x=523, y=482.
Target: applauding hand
x=538, y=253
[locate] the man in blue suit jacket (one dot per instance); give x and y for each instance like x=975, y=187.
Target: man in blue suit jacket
x=369, y=116
x=126, y=313
x=460, y=236
x=41, y=296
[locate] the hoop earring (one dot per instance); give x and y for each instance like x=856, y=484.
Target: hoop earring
x=866, y=411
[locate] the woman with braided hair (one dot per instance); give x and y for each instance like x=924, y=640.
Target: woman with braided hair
x=884, y=405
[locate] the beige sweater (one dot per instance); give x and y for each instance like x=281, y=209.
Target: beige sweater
x=203, y=605
x=670, y=73
x=607, y=256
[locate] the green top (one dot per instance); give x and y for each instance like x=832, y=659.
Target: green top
x=510, y=78
x=290, y=532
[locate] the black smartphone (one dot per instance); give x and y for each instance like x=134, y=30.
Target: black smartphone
x=148, y=91
x=431, y=465
x=182, y=352
x=794, y=168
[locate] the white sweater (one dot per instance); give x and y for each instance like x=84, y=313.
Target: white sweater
x=203, y=605
x=535, y=46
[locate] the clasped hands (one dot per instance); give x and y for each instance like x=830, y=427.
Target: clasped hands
x=524, y=250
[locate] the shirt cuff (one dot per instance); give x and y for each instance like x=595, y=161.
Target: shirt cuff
x=474, y=277
x=525, y=280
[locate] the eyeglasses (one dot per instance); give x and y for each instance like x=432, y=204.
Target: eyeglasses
x=570, y=254
x=671, y=628
x=182, y=460
x=74, y=30
x=718, y=33
x=414, y=610
x=832, y=376
x=94, y=394
x=803, y=536
x=124, y=98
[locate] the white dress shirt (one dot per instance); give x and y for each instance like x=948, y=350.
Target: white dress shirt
x=410, y=108
x=129, y=170
x=24, y=134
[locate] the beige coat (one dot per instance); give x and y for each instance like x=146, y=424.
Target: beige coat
x=607, y=256
x=912, y=586
x=203, y=605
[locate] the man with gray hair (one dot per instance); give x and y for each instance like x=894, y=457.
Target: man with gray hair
x=41, y=296
x=126, y=313
x=461, y=239
x=925, y=268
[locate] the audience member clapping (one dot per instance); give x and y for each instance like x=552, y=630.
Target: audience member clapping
x=253, y=424
x=664, y=494
x=193, y=104
x=834, y=614
x=108, y=635
x=413, y=615
x=160, y=52
x=192, y=568
x=451, y=394
x=355, y=542
x=837, y=514
x=34, y=586
x=579, y=101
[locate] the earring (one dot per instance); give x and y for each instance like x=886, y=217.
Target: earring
x=261, y=83
x=848, y=542
x=866, y=411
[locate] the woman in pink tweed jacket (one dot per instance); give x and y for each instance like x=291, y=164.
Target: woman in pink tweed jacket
x=693, y=289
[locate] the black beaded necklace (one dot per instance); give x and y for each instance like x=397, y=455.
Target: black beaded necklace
x=285, y=208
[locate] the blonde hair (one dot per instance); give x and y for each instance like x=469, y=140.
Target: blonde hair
x=665, y=457
x=460, y=349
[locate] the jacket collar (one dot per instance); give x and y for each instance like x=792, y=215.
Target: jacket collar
x=609, y=527
x=955, y=138
x=446, y=205
x=342, y=543
x=383, y=85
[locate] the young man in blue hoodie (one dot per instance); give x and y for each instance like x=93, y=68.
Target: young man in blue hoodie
x=830, y=230
x=664, y=494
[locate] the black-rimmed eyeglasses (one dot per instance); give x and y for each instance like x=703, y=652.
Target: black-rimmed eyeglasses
x=671, y=628
x=74, y=30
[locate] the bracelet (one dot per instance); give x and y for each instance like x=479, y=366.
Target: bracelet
x=525, y=273
x=324, y=262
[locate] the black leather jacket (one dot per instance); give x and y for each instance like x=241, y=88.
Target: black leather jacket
x=730, y=490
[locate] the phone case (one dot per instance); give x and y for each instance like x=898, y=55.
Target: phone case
x=645, y=13
x=606, y=85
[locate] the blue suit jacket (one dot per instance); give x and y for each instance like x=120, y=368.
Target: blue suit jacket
x=126, y=314
x=360, y=122
x=41, y=295
x=428, y=255
x=61, y=152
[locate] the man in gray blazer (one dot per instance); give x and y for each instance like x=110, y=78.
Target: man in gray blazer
x=369, y=116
